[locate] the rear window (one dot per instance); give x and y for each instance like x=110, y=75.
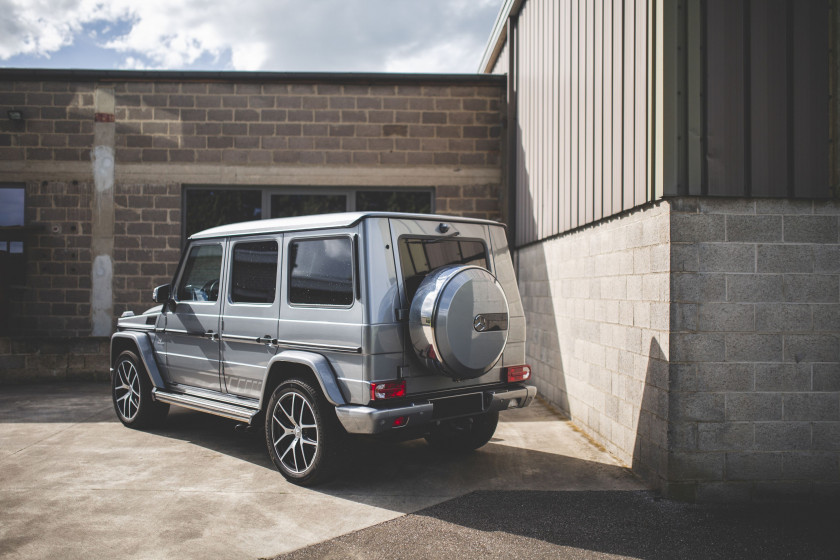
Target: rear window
x=418, y=257
x=321, y=271
x=254, y=276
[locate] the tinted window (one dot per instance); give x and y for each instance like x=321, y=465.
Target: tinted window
x=207, y=208
x=394, y=201
x=12, y=261
x=254, y=275
x=285, y=205
x=321, y=271
x=200, y=280
x=418, y=257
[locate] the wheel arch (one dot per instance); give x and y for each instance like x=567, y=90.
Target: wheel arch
x=139, y=343
x=307, y=365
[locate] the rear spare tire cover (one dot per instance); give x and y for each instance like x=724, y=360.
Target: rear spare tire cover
x=458, y=321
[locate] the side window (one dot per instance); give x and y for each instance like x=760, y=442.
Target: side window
x=254, y=274
x=321, y=271
x=202, y=270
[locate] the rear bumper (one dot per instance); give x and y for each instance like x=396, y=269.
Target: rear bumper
x=358, y=419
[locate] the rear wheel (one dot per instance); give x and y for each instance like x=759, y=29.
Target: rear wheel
x=302, y=433
x=131, y=391
x=463, y=434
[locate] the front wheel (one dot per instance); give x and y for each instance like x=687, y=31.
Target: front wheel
x=302, y=433
x=463, y=434
x=131, y=391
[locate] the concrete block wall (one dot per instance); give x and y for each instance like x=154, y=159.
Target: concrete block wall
x=55, y=302
x=755, y=349
x=147, y=242
x=596, y=304
x=311, y=124
x=57, y=124
x=443, y=134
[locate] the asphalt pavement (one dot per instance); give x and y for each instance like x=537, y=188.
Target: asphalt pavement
x=75, y=483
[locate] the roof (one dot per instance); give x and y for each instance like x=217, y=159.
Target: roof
x=322, y=221
x=498, y=35
x=273, y=77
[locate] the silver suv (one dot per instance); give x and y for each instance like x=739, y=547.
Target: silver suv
x=322, y=326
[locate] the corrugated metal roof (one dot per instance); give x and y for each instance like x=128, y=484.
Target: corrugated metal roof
x=498, y=35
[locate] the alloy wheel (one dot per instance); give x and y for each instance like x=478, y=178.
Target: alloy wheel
x=294, y=432
x=127, y=390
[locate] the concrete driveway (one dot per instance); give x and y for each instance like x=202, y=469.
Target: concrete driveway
x=74, y=483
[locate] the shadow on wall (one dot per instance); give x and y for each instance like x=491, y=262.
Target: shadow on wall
x=542, y=348
x=650, y=452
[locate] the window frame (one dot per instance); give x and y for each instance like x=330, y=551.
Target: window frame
x=175, y=289
x=354, y=276
x=17, y=234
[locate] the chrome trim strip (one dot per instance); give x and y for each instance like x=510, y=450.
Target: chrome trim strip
x=241, y=338
x=179, y=331
x=207, y=394
x=315, y=346
x=136, y=327
x=225, y=410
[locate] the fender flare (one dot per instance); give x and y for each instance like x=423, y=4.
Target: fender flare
x=144, y=351
x=319, y=365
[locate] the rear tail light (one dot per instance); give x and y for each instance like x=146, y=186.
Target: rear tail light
x=387, y=390
x=518, y=373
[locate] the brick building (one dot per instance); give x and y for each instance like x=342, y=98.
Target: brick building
x=104, y=174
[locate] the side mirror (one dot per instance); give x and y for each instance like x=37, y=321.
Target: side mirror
x=161, y=294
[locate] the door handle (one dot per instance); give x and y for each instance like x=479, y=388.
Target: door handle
x=266, y=340
x=212, y=335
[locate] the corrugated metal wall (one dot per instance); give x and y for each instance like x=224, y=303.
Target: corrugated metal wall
x=767, y=95
x=582, y=110
x=735, y=100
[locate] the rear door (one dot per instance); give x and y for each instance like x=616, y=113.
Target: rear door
x=250, y=313
x=423, y=246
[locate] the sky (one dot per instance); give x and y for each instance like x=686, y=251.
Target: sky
x=437, y=36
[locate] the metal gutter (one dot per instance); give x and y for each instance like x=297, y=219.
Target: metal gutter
x=361, y=78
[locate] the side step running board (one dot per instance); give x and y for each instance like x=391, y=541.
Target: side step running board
x=210, y=406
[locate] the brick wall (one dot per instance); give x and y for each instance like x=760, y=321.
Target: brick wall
x=57, y=121
x=147, y=242
x=311, y=124
x=755, y=349
x=55, y=302
x=211, y=127
x=596, y=304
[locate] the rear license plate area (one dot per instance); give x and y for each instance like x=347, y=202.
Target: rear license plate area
x=462, y=405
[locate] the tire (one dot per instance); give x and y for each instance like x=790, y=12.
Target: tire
x=131, y=391
x=302, y=433
x=463, y=435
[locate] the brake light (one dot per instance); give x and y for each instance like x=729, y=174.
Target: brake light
x=387, y=390
x=518, y=373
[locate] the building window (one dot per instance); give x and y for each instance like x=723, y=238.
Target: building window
x=12, y=258
x=206, y=207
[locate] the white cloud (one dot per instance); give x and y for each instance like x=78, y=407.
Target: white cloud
x=274, y=35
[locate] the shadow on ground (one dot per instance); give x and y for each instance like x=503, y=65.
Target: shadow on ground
x=590, y=525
